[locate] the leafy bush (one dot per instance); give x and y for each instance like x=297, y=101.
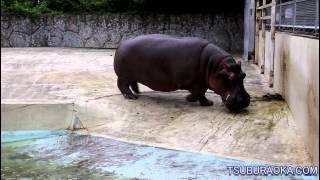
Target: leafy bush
x=42, y=7
x=37, y=8
x=25, y=8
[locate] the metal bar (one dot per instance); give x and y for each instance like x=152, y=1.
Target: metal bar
x=265, y=6
x=316, y=25
x=265, y=17
x=263, y=32
x=297, y=26
x=280, y=22
x=290, y=2
x=301, y=0
x=294, y=14
x=287, y=3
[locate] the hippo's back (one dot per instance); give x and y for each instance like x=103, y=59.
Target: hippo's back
x=164, y=55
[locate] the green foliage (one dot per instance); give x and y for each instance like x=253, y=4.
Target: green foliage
x=2, y=6
x=33, y=8
x=25, y=8
x=65, y=6
x=96, y=6
x=138, y=7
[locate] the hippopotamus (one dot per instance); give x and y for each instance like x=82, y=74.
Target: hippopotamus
x=168, y=63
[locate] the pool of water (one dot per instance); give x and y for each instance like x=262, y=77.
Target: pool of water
x=69, y=155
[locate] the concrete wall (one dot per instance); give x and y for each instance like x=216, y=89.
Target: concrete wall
x=249, y=28
x=268, y=55
x=36, y=116
x=107, y=31
x=296, y=78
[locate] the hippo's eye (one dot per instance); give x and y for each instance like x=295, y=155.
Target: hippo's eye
x=231, y=76
x=222, y=75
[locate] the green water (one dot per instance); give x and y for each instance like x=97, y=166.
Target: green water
x=17, y=164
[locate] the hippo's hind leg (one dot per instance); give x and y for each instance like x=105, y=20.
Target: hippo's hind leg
x=198, y=93
x=123, y=85
x=134, y=87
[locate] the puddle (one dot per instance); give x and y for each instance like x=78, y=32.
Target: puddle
x=68, y=155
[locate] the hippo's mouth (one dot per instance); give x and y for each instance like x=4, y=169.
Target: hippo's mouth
x=225, y=98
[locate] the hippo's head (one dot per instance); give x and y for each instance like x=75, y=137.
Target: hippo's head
x=228, y=83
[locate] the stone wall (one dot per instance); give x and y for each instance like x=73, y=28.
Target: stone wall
x=108, y=30
x=296, y=78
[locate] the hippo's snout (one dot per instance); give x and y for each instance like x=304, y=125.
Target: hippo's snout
x=234, y=103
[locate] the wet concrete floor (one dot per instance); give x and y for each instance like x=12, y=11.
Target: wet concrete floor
x=265, y=132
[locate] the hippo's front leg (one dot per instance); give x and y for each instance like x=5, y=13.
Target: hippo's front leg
x=204, y=101
x=198, y=93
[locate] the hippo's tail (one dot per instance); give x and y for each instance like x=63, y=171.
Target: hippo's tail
x=134, y=87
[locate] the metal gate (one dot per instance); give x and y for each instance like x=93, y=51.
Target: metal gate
x=300, y=17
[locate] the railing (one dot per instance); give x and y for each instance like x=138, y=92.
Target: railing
x=297, y=16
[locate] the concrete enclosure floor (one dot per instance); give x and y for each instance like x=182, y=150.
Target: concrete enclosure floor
x=84, y=81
